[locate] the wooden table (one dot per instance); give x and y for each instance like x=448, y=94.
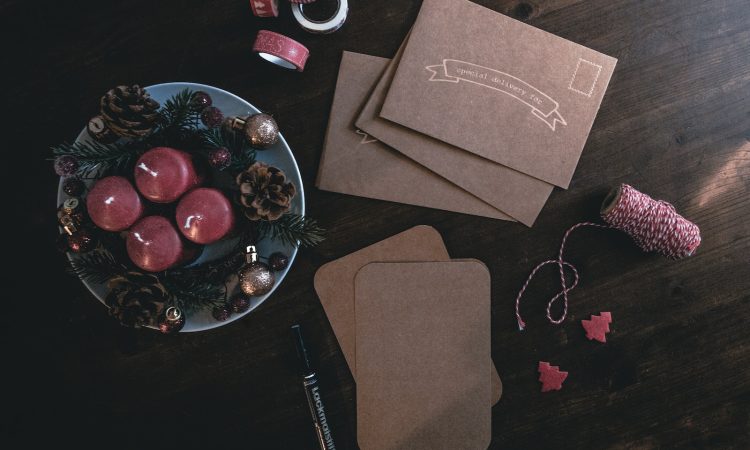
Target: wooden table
x=675, y=123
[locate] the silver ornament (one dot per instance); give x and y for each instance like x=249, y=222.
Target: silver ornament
x=255, y=277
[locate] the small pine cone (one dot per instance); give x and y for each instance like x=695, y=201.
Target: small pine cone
x=265, y=193
x=129, y=111
x=136, y=299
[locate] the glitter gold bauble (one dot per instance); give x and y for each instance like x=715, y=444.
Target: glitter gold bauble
x=260, y=130
x=255, y=277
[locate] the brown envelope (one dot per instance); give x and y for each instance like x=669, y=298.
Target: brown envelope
x=422, y=363
x=517, y=194
x=334, y=283
x=498, y=88
x=354, y=163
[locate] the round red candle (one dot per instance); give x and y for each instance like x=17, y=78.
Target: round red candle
x=113, y=204
x=154, y=245
x=205, y=215
x=163, y=174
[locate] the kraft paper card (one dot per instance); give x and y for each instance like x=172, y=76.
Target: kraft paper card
x=334, y=284
x=422, y=364
x=498, y=88
x=517, y=194
x=354, y=163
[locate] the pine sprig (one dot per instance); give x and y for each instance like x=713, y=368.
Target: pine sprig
x=93, y=156
x=192, y=294
x=96, y=267
x=293, y=229
x=179, y=112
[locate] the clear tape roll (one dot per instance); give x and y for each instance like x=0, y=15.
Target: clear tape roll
x=321, y=26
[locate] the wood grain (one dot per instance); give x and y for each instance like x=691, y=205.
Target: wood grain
x=675, y=123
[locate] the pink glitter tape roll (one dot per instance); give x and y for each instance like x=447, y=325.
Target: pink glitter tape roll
x=265, y=8
x=281, y=50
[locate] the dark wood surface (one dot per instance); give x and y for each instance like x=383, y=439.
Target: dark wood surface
x=675, y=123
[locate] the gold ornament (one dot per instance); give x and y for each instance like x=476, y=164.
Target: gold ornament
x=260, y=130
x=255, y=277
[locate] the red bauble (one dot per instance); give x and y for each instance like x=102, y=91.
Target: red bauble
x=171, y=321
x=154, y=245
x=205, y=215
x=163, y=174
x=113, y=204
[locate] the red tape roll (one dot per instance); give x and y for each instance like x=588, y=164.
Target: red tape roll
x=281, y=50
x=265, y=8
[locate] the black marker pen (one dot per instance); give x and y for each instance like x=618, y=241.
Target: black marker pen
x=312, y=390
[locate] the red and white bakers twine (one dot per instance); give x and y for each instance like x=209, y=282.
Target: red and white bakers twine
x=281, y=50
x=265, y=8
x=654, y=225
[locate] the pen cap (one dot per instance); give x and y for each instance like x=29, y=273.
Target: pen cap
x=302, y=354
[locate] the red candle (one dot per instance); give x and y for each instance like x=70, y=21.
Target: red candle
x=204, y=215
x=113, y=204
x=163, y=174
x=154, y=245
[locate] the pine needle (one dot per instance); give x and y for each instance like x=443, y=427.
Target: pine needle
x=96, y=267
x=294, y=229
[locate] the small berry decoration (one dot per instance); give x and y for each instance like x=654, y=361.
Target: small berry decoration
x=212, y=117
x=66, y=165
x=240, y=304
x=220, y=158
x=73, y=187
x=551, y=377
x=201, y=100
x=221, y=313
x=278, y=261
x=598, y=327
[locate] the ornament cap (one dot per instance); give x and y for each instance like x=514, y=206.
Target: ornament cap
x=70, y=205
x=70, y=228
x=251, y=254
x=173, y=313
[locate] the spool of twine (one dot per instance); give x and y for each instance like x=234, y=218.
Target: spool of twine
x=654, y=225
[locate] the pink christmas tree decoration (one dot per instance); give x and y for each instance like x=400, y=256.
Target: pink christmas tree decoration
x=551, y=377
x=598, y=326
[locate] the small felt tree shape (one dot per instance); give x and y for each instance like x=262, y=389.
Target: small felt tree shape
x=551, y=376
x=598, y=326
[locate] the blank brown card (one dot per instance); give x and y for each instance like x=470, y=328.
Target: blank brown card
x=423, y=347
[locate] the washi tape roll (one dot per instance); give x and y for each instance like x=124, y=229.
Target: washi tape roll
x=321, y=26
x=265, y=8
x=281, y=50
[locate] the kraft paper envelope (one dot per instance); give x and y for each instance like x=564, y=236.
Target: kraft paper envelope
x=354, y=163
x=334, y=283
x=517, y=194
x=498, y=88
x=422, y=363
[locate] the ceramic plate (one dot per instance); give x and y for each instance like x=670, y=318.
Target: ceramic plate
x=280, y=155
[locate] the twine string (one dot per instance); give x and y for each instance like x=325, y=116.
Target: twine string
x=654, y=225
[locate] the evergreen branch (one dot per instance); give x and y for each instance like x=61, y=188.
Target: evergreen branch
x=96, y=267
x=179, y=112
x=192, y=294
x=93, y=156
x=293, y=229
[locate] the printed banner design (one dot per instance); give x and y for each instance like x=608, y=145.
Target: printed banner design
x=366, y=138
x=541, y=104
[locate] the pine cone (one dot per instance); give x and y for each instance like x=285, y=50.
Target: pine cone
x=265, y=192
x=136, y=299
x=129, y=111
